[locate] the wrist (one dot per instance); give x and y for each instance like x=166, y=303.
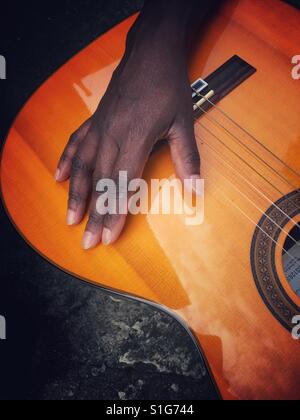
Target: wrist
x=170, y=25
x=164, y=26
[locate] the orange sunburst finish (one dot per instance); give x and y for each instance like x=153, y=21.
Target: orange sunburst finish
x=201, y=273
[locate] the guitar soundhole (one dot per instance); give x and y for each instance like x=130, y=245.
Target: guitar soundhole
x=264, y=259
x=291, y=259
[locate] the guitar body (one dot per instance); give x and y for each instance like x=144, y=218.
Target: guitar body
x=225, y=279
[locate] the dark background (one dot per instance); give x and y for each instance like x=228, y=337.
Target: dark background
x=66, y=339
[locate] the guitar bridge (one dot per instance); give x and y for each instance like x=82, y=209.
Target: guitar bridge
x=209, y=91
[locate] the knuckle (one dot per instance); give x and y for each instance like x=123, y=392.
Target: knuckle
x=75, y=197
x=111, y=220
x=106, y=123
x=192, y=158
x=95, y=219
x=79, y=165
x=95, y=181
x=73, y=138
x=65, y=157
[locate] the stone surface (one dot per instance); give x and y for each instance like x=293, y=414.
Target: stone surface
x=71, y=341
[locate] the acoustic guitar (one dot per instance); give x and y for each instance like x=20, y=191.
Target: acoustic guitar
x=233, y=280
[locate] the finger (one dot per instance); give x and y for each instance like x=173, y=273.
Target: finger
x=64, y=167
x=185, y=155
x=105, y=161
x=129, y=166
x=83, y=164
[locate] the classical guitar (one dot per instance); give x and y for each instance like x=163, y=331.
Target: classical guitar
x=234, y=280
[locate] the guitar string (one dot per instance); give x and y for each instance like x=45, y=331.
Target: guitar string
x=262, y=194
x=247, y=148
x=244, y=146
x=255, y=224
x=247, y=164
x=248, y=182
x=237, y=155
x=282, y=230
x=219, y=109
x=216, y=122
x=240, y=142
x=258, y=208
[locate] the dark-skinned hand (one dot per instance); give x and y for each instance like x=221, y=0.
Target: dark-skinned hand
x=148, y=99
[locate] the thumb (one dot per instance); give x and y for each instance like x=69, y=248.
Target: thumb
x=185, y=154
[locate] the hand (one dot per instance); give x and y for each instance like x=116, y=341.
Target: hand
x=148, y=99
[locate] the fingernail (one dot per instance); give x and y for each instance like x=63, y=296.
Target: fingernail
x=57, y=175
x=71, y=217
x=106, y=237
x=88, y=241
x=195, y=182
